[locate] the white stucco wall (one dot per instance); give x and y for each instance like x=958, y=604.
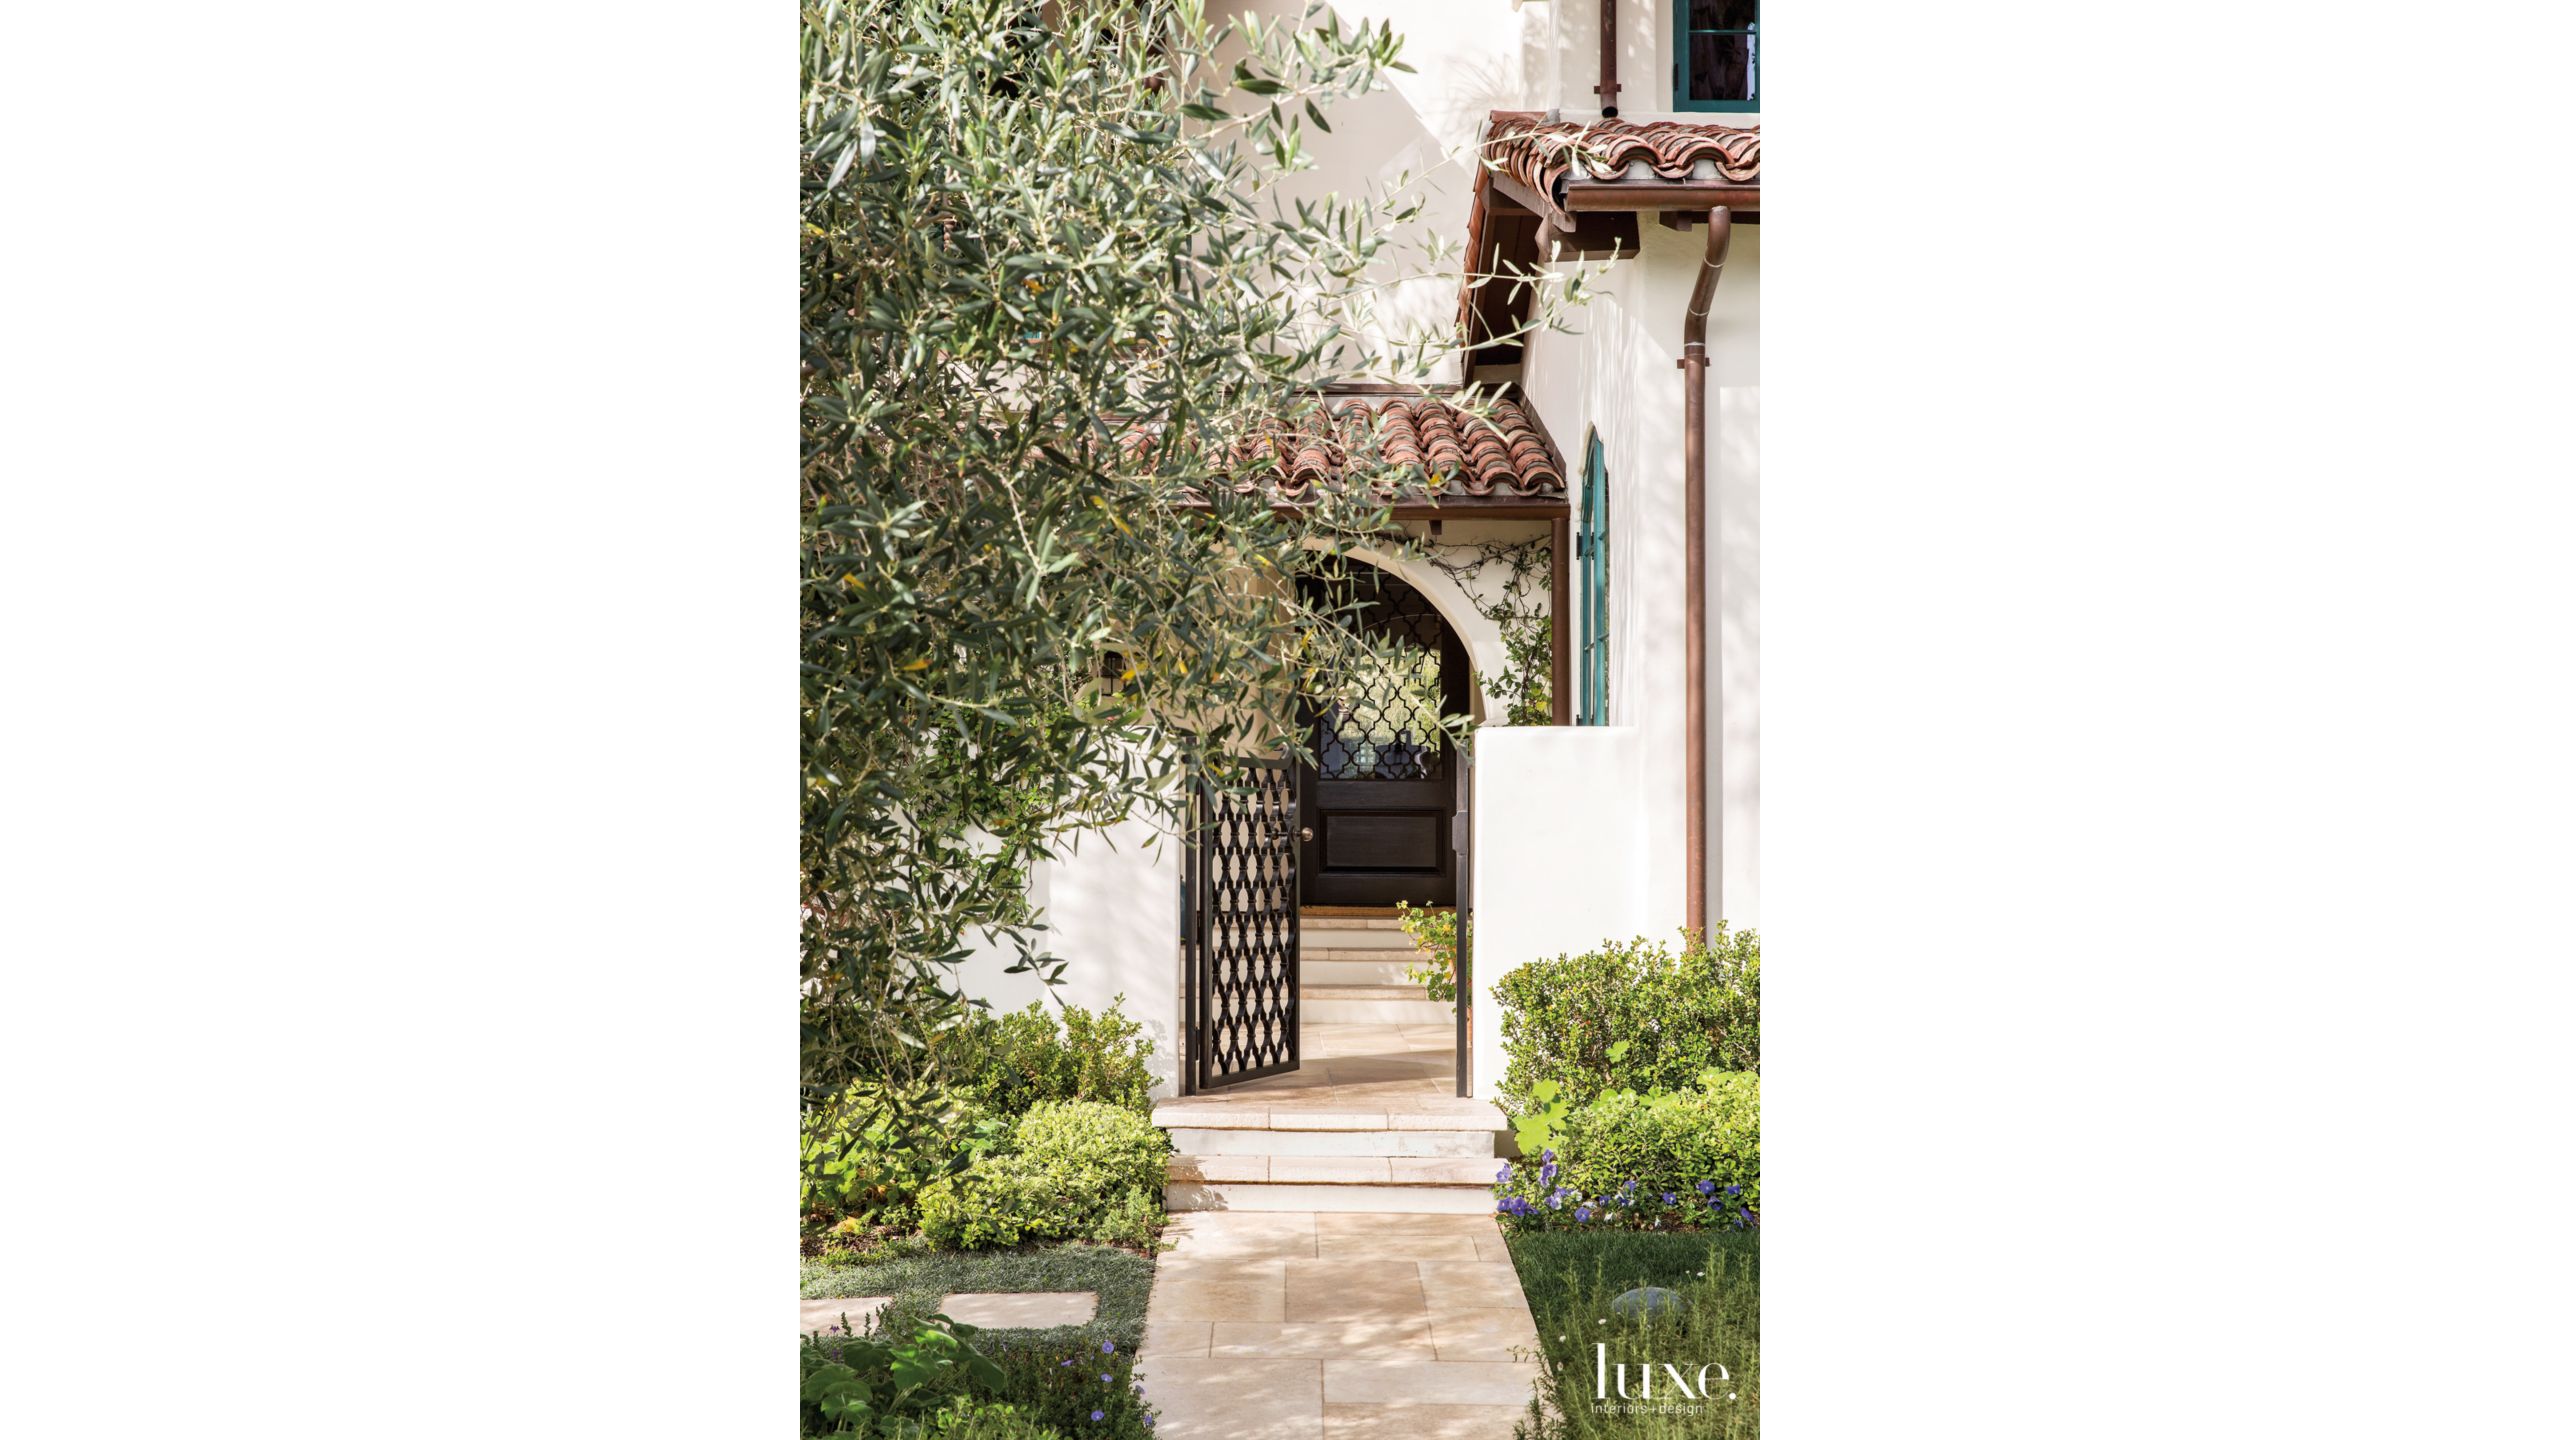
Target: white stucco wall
x=1560, y=856
x=1113, y=905
x=1620, y=376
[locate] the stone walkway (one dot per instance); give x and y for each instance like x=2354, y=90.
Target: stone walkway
x=1320, y=1325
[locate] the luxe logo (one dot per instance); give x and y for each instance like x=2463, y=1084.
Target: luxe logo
x=1676, y=1384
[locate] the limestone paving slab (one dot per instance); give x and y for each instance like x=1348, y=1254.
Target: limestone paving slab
x=1398, y=1381
x=1331, y=1169
x=1420, y=1422
x=827, y=1315
x=1353, y=1290
x=1442, y=1170
x=1238, y=1234
x=1201, y=1116
x=1337, y=1224
x=1499, y=1335
x=1208, y=1289
x=1209, y=1169
x=1022, y=1310
x=1281, y=1119
x=1404, y=1333
x=1392, y=1246
x=1175, y=1339
x=1237, y=1398
x=1259, y=1331
x=1452, y=1285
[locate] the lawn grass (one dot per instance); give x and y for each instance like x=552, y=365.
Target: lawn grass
x=1036, y=1362
x=1119, y=1280
x=1572, y=1275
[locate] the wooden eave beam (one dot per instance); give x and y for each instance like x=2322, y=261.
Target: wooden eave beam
x=1584, y=196
x=1530, y=200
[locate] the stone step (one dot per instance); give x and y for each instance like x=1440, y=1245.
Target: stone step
x=1343, y=1170
x=1368, y=1199
x=1373, y=1005
x=1389, y=920
x=1452, y=1144
x=1332, y=971
x=1244, y=1113
x=1312, y=938
x=1394, y=990
x=1376, y=954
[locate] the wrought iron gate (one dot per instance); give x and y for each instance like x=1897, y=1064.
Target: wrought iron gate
x=1240, y=929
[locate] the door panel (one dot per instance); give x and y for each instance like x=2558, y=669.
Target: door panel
x=1379, y=798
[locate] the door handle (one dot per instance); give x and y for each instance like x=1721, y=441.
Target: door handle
x=1306, y=836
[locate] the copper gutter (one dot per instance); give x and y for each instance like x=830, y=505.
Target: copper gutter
x=1607, y=89
x=1693, y=452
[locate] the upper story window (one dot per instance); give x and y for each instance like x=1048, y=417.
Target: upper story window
x=1718, y=62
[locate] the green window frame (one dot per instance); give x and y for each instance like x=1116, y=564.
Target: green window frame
x=1591, y=578
x=1716, y=22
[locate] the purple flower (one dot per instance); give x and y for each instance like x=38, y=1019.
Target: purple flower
x=1733, y=1189
x=1106, y=1347
x=1549, y=1157
x=1670, y=1199
x=1706, y=1187
x=1503, y=1175
x=1070, y=1360
x=1714, y=1204
x=1582, y=1213
x=1097, y=1414
x=1147, y=1420
x=1106, y=1379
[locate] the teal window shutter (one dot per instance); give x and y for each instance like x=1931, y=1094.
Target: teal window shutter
x=1716, y=64
x=1591, y=580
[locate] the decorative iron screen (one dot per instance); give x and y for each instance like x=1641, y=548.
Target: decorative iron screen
x=1244, y=932
x=1375, y=709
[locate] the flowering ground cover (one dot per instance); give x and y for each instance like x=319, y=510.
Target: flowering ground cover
x=1690, y=1373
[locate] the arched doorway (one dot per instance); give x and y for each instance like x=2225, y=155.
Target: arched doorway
x=1380, y=792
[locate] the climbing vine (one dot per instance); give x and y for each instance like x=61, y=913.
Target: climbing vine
x=1518, y=606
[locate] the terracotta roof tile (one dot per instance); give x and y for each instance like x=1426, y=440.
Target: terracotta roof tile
x=1544, y=154
x=1434, y=445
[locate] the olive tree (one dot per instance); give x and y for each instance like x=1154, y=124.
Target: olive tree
x=1048, y=287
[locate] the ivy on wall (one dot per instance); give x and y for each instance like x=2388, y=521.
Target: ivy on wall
x=1518, y=607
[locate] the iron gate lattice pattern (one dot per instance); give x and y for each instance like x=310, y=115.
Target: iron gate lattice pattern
x=1375, y=715
x=1244, y=982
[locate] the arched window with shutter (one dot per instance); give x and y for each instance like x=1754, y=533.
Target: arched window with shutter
x=1591, y=580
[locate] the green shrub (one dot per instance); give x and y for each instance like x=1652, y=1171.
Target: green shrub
x=863, y=1163
x=891, y=1381
x=1435, y=932
x=1688, y=1158
x=1080, y=1170
x=1009, y=1063
x=1631, y=1016
x=970, y=1419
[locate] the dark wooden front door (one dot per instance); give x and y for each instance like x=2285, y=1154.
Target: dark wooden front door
x=1380, y=793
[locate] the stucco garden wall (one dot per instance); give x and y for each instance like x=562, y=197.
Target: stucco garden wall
x=1560, y=856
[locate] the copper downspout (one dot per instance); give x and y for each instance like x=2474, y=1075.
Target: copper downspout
x=1607, y=89
x=1693, y=451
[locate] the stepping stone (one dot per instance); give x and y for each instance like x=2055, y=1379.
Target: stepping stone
x=1032, y=1310
x=826, y=1316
